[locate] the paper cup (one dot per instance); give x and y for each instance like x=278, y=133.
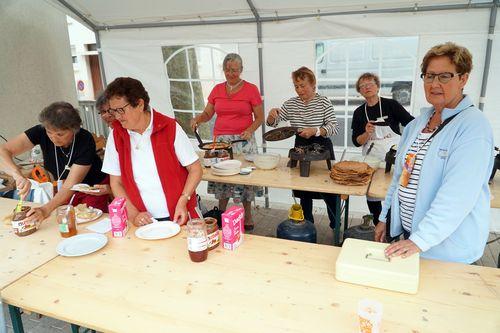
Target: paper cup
x=370, y=316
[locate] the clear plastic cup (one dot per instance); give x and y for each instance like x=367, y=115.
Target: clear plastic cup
x=370, y=316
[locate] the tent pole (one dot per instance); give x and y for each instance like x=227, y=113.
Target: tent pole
x=261, y=83
x=99, y=57
x=489, y=45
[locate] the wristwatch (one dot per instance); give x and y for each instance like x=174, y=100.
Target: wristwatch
x=318, y=131
x=188, y=197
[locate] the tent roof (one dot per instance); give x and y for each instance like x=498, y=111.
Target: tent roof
x=113, y=14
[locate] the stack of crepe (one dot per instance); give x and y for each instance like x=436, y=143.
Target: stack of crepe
x=351, y=173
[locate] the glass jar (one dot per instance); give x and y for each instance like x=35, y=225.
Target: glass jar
x=20, y=227
x=66, y=220
x=197, y=240
x=212, y=233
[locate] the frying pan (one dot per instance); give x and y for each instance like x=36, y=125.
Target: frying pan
x=281, y=133
x=210, y=145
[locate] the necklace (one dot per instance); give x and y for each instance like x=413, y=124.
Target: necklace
x=137, y=144
x=232, y=87
x=428, y=128
x=62, y=151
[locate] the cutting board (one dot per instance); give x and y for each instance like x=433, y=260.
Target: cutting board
x=364, y=262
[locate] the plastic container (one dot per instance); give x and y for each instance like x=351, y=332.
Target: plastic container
x=267, y=161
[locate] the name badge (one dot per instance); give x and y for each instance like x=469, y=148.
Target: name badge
x=443, y=153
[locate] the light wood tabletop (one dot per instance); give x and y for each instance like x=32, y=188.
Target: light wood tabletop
x=284, y=177
x=266, y=285
x=21, y=255
x=381, y=182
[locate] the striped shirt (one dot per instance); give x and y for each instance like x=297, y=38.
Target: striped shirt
x=407, y=195
x=317, y=113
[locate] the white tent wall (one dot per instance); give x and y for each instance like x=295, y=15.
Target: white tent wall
x=288, y=45
x=35, y=62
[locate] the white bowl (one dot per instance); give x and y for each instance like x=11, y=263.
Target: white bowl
x=266, y=161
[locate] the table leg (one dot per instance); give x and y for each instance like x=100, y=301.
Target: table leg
x=75, y=328
x=3, y=324
x=15, y=317
x=336, y=232
x=346, y=213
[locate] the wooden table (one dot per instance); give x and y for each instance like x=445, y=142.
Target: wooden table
x=267, y=284
x=21, y=255
x=382, y=181
x=289, y=178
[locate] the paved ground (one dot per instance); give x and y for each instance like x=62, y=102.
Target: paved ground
x=266, y=222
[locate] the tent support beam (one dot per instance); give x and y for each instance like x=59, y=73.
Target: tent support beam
x=489, y=46
x=99, y=57
x=72, y=9
x=413, y=9
x=261, y=82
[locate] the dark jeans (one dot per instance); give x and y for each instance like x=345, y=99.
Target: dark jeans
x=306, y=201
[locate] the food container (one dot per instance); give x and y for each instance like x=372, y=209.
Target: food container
x=197, y=240
x=266, y=161
x=212, y=233
x=66, y=220
x=233, y=220
x=118, y=215
x=20, y=227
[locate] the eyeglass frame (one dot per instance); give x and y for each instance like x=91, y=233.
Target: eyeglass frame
x=367, y=84
x=120, y=110
x=438, y=75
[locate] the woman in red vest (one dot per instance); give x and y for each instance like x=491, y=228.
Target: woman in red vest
x=149, y=158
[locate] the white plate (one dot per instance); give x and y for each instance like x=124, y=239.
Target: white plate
x=158, y=230
x=83, y=188
x=81, y=245
x=228, y=164
x=80, y=220
x=225, y=172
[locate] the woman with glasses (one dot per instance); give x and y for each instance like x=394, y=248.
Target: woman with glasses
x=439, y=195
x=149, y=158
x=102, y=106
x=376, y=124
x=69, y=154
x=238, y=106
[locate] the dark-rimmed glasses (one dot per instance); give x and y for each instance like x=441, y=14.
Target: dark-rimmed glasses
x=118, y=110
x=444, y=77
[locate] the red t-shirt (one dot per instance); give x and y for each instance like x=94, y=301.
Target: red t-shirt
x=235, y=112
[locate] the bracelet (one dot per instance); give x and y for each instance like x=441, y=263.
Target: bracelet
x=187, y=196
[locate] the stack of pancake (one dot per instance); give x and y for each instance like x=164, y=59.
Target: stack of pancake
x=351, y=173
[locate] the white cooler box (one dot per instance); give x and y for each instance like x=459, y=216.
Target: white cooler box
x=364, y=262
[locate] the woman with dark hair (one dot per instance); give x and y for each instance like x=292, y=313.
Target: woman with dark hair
x=149, y=158
x=314, y=114
x=102, y=106
x=68, y=153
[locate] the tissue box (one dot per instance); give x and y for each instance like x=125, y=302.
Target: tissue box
x=233, y=220
x=119, y=217
x=364, y=262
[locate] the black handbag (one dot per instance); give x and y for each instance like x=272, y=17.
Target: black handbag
x=216, y=213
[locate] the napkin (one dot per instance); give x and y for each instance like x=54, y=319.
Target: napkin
x=102, y=227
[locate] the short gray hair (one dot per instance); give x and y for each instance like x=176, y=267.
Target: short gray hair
x=61, y=116
x=232, y=57
x=100, y=101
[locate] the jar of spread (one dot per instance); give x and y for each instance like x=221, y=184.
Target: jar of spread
x=197, y=240
x=212, y=233
x=20, y=227
x=66, y=220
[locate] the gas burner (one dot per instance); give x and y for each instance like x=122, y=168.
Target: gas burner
x=305, y=154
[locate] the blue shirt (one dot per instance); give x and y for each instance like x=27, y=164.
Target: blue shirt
x=452, y=210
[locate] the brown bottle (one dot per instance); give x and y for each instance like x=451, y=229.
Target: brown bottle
x=21, y=228
x=66, y=220
x=197, y=240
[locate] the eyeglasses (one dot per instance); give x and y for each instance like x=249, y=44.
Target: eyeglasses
x=118, y=110
x=366, y=85
x=101, y=112
x=232, y=71
x=442, y=77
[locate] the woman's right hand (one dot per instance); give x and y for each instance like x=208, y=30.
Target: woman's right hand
x=23, y=185
x=369, y=128
x=273, y=114
x=380, y=232
x=142, y=218
x=193, y=123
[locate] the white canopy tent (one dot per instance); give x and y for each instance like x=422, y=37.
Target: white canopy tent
x=276, y=37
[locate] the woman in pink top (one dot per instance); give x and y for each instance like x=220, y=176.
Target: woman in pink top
x=238, y=106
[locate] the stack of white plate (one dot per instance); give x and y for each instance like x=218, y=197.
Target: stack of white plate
x=226, y=168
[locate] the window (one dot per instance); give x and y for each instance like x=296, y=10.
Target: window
x=343, y=61
x=192, y=72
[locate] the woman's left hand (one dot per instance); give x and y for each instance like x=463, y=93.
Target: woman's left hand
x=246, y=134
x=181, y=212
x=308, y=132
x=404, y=248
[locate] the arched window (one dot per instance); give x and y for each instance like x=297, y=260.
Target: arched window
x=192, y=71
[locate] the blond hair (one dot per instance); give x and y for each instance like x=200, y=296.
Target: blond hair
x=304, y=73
x=458, y=55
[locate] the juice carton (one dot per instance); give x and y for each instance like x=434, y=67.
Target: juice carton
x=233, y=221
x=119, y=217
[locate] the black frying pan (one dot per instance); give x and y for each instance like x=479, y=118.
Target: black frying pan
x=210, y=145
x=281, y=133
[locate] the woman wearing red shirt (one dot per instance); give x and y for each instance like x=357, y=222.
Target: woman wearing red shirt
x=238, y=106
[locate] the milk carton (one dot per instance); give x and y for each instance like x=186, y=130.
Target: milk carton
x=233, y=221
x=118, y=216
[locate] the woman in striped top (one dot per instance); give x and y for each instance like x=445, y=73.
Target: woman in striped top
x=439, y=195
x=314, y=114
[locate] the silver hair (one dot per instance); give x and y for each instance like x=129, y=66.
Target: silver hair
x=232, y=57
